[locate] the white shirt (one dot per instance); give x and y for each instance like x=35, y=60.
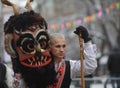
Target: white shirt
x=90, y=63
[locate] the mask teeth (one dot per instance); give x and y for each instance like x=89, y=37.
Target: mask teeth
x=32, y=61
x=42, y=58
x=39, y=63
x=45, y=59
x=29, y=61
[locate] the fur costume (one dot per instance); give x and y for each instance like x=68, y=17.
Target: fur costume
x=26, y=41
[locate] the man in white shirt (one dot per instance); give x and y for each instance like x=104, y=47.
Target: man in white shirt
x=70, y=69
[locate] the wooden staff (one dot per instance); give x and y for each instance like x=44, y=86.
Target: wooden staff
x=81, y=61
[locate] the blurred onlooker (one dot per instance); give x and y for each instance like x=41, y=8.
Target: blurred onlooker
x=2, y=76
x=5, y=75
x=114, y=66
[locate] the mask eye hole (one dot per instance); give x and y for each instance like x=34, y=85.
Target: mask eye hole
x=27, y=44
x=30, y=46
x=42, y=39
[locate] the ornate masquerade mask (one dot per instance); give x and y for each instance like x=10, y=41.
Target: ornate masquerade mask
x=32, y=47
x=26, y=38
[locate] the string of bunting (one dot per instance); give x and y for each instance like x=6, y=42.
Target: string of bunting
x=83, y=20
x=86, y=19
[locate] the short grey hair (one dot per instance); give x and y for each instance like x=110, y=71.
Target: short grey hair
x=56, y=35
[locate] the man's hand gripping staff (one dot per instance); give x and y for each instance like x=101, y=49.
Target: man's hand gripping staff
x=83, y=35
x=84, y=32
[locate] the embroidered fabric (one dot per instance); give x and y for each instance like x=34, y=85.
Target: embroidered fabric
x=60, y=69
x=18, y=81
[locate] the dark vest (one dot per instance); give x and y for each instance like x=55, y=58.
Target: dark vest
x=67, y=79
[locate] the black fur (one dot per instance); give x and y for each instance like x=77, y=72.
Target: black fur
x=22, y=21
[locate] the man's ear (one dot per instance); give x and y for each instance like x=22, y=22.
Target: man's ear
x=9, y=45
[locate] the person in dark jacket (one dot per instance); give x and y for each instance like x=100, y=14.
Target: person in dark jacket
x=113, y=66
x=6, y=74
x=2, y=76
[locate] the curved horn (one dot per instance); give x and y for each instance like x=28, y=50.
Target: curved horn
x=28, y=6
x=8, y=45
x=15, y=8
